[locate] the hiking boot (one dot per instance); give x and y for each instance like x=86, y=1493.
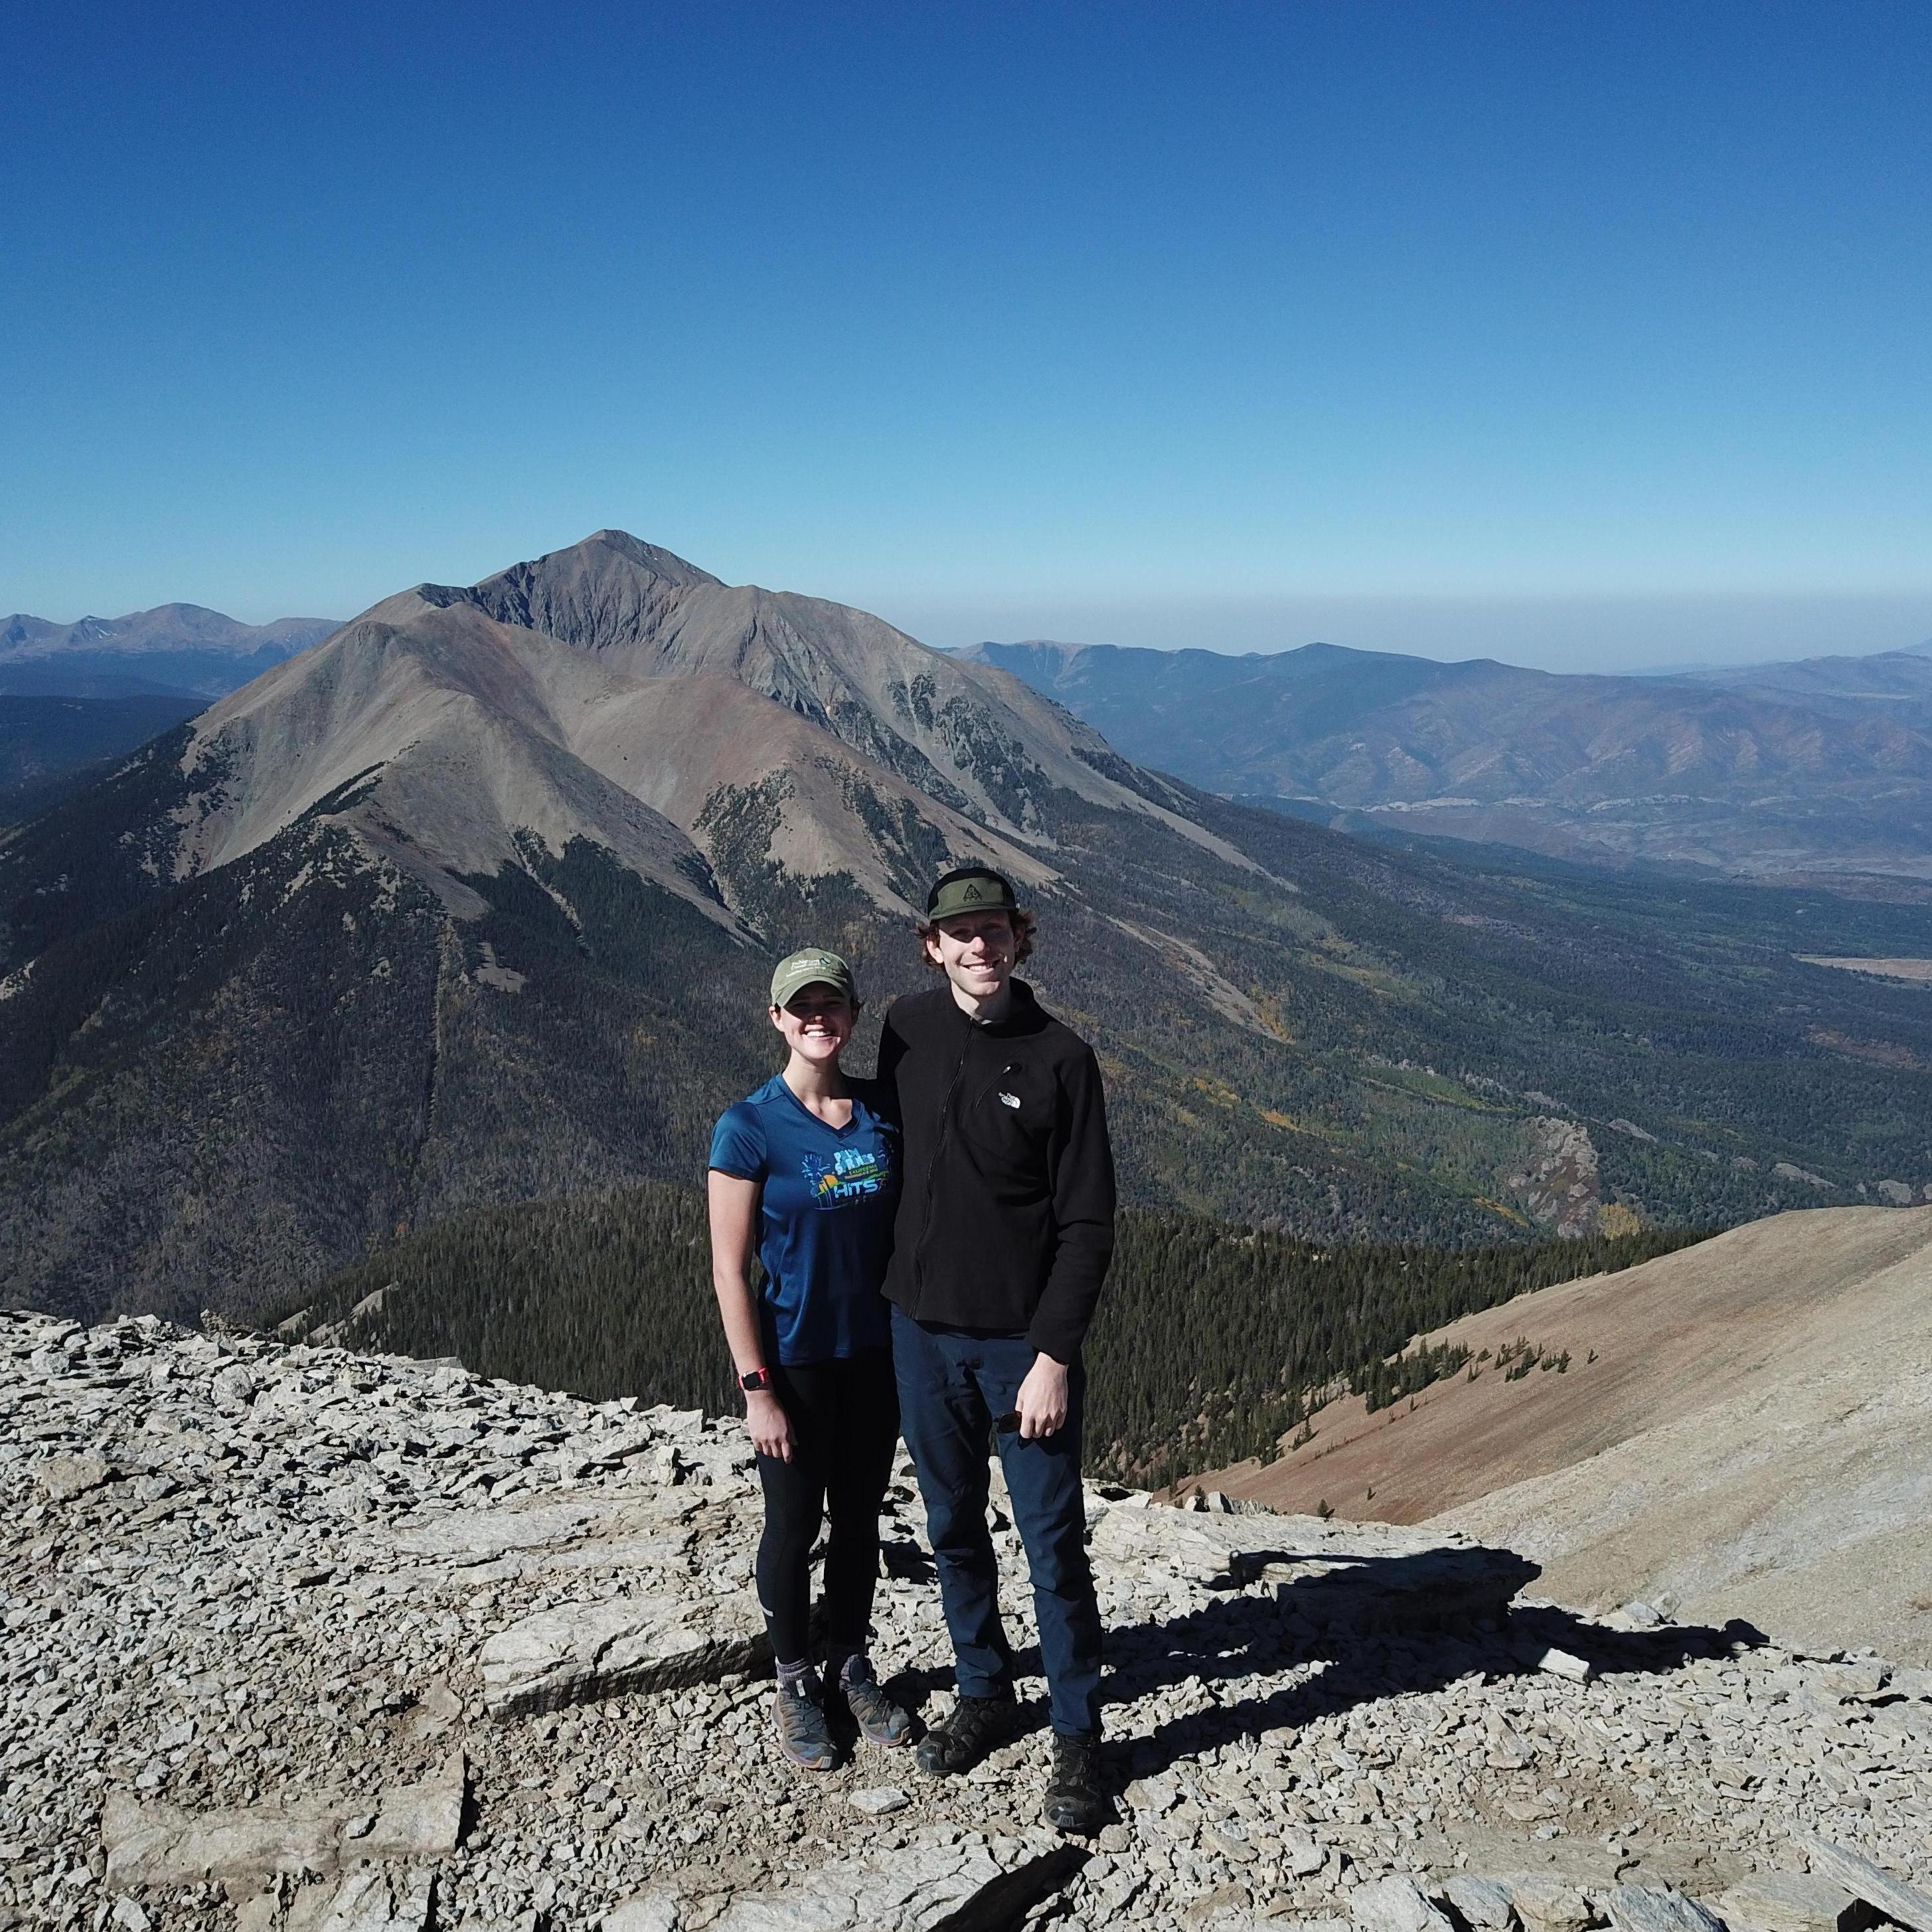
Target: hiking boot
x=974, y=1727
x=1076, y=1804
x=800, y=1716
x=876, y=1718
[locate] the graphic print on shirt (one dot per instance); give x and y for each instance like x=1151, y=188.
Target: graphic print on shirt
x=852, y=1175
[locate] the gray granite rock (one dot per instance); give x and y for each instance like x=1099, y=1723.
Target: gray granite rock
x=879, y=1801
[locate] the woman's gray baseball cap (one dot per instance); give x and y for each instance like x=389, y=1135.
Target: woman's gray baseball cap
x=813, y=966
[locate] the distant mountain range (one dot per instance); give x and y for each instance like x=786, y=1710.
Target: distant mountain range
x=1821, y=767
x=475, y=901
x=174, y=649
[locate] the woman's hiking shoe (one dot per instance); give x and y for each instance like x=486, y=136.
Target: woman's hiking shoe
x=974, y=1726
x=877, y=1719
x=804, y=1736
x=1076, y=1804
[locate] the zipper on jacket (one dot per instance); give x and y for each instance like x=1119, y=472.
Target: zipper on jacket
x=932, y=1172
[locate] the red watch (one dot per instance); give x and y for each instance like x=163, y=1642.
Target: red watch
x=757, y=1378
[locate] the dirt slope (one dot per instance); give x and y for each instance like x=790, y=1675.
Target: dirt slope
x=1745, y=1427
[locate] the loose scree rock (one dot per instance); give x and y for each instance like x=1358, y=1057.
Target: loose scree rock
x=296, y=1639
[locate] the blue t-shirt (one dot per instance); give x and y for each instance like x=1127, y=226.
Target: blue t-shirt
x=829, y=1197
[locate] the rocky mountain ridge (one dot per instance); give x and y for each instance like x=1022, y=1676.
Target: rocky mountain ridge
x=293, y=1639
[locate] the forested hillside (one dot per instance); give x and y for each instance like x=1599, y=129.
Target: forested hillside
x=1212, y=1341
x=50, y=746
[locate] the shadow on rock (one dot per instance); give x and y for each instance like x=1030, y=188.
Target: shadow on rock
x=1002, y=1905
x=1375, y=1633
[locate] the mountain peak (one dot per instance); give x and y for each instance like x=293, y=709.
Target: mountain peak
x=653, y=557
x=612, y=589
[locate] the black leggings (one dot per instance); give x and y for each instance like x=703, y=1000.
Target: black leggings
x=844, y=1417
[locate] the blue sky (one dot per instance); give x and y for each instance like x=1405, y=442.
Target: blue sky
x=1596, y=331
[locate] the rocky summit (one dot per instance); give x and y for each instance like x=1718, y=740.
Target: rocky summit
x=297, y=1638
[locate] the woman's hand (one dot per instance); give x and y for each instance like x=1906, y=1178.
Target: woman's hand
x=770, y=1426
x=1041, y=1401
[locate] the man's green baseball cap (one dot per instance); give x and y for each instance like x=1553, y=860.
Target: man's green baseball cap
x=971, y=888
x=813, y=966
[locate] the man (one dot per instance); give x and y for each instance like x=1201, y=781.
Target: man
x=1004, y=1230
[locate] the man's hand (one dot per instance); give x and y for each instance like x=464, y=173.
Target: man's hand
x=768, y=1425
x=1041, y=1401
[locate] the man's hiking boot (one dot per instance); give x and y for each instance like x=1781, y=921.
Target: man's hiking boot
x=874, y=1716
x=804, y=1736
x=1076, y=1804
x=974, y=1726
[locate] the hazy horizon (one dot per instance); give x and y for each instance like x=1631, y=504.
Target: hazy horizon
x=1630, y=634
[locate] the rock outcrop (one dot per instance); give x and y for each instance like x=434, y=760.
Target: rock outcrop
x=296, y=1641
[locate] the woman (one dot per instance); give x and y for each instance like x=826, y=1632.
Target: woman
x=806, y=1170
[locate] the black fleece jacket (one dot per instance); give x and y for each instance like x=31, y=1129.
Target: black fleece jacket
x=1006, y=1215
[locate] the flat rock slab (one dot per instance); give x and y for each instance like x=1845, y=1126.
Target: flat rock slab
x=1644, y=1908
x=1355, y=1577
x=584, y=1652
x=1564, y=1663
x=320, y=1837
x=1395, y=1905
x=878, y=1801
x=1790, y=1902
x=64, y=1477
x=535, y=1532
x=653, y=1911
x=1481, y=1902
x=916, y=1889
x=1303, y=1854
x=1493, y=1850
x=1549, y=1904
x=1872, y=1883
x=367, y=1901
